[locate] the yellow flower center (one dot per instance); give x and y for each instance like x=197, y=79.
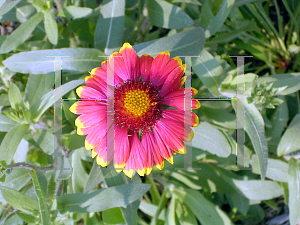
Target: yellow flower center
x=137, y=102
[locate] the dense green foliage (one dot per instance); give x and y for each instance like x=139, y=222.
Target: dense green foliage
x=222, y=192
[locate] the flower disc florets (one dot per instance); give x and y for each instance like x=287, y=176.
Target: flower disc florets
x=137, y=105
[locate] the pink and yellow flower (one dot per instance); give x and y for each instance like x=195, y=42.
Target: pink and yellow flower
x=133, y=107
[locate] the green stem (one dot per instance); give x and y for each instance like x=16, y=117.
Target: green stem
x=27, y=166
x=162, y=204
x=136, y=29
x=73, y=40
x=153, y=191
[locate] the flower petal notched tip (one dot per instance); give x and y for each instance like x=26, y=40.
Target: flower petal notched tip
x=101, y=162
x=119, y=167
x=79, y=131
x=88, y=77
x=148, y=170
x=73, y=108
x=94, y=154
x=88, y=146
x=164, y=53
x=125, y=45
x=196, y=121
x=194, y=91
x=198, y=105
x=170, y=160
x=182, y=150
x=190, y=136
x=160, y=166
x=178, y=60
x=141, y=172
x=128, y=173
x=79, y=90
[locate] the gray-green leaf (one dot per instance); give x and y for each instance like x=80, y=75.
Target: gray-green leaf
x=294, y=190
x=21, y=33
x=185, y=43
x=163, y=14
x=290, y=140
x=37, y=62
x=11, y=141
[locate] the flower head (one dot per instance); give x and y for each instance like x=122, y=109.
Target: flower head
x=130, y=99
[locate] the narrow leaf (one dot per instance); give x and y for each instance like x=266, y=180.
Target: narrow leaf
x=209, y=71
x=40, y=186
x=74, y=12
x=6, y=123
x=185, y=43
x=11, y=141
x=209, y=138
x=37, y=62
x=51, y=97
x=110, y=25
x=254, y=126
x=290, y=140
x=118, y=196
x=15, y=97
x=205, y=211
x=294, y=191
x=164, y=14
x=21, y=33
x=50, y=27
x=18, y=200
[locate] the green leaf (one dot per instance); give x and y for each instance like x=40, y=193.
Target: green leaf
x=170, y=219
x=37, y=86
x=150, y=210
x=26, y=217
x=50, y=98
x=294, y=190
x=15, y=97
x=110, y=25
x=227, y=37
x=185, y=43
x=11, y=141
x=279, y=120
x=79, y=176
x=95, y=177
x=205, y=211
x=209, y=71
x=74, y=12
x=118, y=196
x=37, y=62
x=45, y=140
x=6, y=6
x=112, y=178
x=254, y=126
x=290, y=80
x=69, y=115
x=166, y=15
x=4, y=101
x=50, y=27
x=113, y=216
x=40, y=186
x=209, y=138
x=75, y=141
x=212, y=22
x=290, y=140
x=18, y=200
x=259, y=190
x=185, y=215
x=17, y=178
x=277, y=169
x=6, y=123
x=21, y=34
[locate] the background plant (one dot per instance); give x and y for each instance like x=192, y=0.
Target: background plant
x=31, y=192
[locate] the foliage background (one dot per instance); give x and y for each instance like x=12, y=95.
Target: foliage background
x=32, y=193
